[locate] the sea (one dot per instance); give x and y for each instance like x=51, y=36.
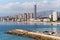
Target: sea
x=6, y=26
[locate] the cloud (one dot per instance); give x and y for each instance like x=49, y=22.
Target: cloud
x=9, y=5
x=29, y=6
x=45, y=1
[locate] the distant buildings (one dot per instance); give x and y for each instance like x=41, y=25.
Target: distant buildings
x=55, y=16
x=31, y=17
x=51, y=17
x=20, y=18
x=25, y=16
x=45, y=19
x=35, y=11
x=28, y=17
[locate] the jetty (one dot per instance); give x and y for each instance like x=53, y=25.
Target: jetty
x=38, y=36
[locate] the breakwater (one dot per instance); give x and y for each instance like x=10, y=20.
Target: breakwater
x=38, y=36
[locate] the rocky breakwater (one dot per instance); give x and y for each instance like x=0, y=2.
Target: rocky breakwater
x=38, y=36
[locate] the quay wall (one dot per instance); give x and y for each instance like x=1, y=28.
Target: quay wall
x=38, y=36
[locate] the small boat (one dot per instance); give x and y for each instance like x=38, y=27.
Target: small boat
x=50, y=33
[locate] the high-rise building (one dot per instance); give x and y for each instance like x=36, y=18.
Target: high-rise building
x=55, y=16
x=29, y=15
x=20, y=17
x=25, y=16
x=35, y=11
x=1, y=19
x=51, y=17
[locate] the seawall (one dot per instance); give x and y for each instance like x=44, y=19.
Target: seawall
x=38, y=36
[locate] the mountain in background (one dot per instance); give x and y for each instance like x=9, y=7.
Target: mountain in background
x=46, y=13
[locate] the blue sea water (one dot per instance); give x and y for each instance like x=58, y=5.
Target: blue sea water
x=4, y=27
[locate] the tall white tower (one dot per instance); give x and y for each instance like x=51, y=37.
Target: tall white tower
x=55, y=16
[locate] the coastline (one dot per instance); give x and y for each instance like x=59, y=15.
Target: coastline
x=32, y=23
x=38, y=36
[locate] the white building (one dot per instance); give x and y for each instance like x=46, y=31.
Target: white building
x=50, y=16
x=46, y=20
x=33, y=20
x=55, y=16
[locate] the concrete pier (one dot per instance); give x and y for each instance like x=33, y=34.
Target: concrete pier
x=38, y=36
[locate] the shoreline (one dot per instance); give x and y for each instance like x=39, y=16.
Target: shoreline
x=29, y=22
x=33, y=34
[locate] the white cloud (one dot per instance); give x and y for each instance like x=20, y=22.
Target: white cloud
x=45, y=1
x=9, y=5
x=29, y=6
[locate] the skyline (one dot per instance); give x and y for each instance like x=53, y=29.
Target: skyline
x=12, y=7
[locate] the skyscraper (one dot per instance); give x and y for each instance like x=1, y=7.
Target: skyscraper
x=25, y=16
x=29, y=15
x=35, y=11
x=55, y=15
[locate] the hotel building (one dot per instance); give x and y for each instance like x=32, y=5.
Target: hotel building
x=25, y=16
x=35, y=11
x=55, y=16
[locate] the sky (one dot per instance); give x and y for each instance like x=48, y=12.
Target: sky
x=14, y=7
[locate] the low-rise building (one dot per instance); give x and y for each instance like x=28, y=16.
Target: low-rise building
x=45, y=19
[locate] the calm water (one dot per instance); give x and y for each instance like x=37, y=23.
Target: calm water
x=4, y=27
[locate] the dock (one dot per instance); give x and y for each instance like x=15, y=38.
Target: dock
x=38, y=36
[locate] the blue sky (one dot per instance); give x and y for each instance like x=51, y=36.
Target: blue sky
x=7, y=1
x=13, y=7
